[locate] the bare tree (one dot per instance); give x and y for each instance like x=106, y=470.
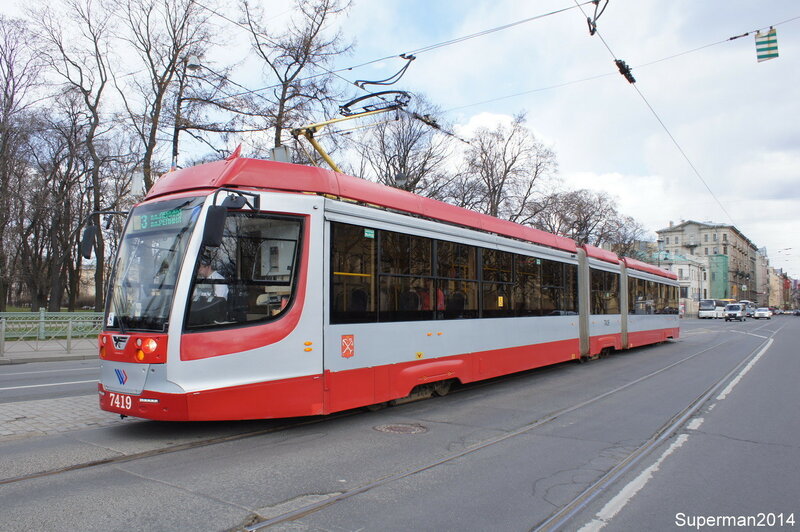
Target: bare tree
x=81, y=61
x=298, y=59
x=163, y=33
x=508, y=163
x=589, y=217
x=58, y=165
x=209, y=107
x=626, y=239
x=464, y=191
x=407, y=152
x=585, y=216
x=19, y=71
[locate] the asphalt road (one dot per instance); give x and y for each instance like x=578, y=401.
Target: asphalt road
x=504, y=455
x=48, y=380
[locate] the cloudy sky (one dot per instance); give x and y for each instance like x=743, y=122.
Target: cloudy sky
x=736, y=120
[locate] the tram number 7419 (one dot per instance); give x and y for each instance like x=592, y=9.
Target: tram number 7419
x=120, y=401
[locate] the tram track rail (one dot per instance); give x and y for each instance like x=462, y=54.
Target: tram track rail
x=172, y=448
x=568, y=511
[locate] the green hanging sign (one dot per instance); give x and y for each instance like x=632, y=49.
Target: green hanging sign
x=767, y=45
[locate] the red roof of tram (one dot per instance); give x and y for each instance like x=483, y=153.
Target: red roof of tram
x=649, y=268
x=601, y=254
x=271, y=175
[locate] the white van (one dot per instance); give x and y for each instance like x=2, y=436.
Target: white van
x=735, y=311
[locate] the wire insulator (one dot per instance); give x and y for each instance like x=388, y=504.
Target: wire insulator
x=625, y=70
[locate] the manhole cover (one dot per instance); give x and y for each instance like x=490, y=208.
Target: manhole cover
x=402, y=428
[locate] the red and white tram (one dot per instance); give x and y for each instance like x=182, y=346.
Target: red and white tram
x=248, y=289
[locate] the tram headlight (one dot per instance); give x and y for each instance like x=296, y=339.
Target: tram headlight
x=149, y=346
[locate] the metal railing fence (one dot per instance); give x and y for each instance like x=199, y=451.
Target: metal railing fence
x=26, y=331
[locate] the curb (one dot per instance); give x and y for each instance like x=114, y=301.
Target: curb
x=45, y=358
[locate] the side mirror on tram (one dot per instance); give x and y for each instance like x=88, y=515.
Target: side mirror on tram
x=215, y=225
x=87, y=241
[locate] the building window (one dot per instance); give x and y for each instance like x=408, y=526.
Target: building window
x=715, y=237
x=706, y=249
x=716, y=251
x=667, y=241
x=705, y=239
x=677, y=240
x=724, y=250
x=724, y=237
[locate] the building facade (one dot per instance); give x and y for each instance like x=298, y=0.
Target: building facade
x=762, y=278
x=731, y=256
x=692, y=272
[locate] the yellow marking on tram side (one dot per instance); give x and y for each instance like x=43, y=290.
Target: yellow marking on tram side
x=353, y=274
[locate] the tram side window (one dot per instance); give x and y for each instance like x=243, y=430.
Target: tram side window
x=353, y=286
x=407, y=290
x=668, y=299
x=637, y=297
x=251, y=276
x=605, y=292
x=571, y=288
x=497, y=270
x=456, y=261
x=527, y=295
x=457, y=268
x=552, y=288
x=650, y=296
x=418, y=278
x=405, y=254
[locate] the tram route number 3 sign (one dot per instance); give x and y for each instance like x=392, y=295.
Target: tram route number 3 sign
x=348, y=345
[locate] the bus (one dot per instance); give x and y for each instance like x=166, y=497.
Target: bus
x=749, y=307
x=711, y=308
x=250, y=289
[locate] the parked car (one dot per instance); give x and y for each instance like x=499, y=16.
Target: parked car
x=762, y=312
x=735, y=311
x=797, y=312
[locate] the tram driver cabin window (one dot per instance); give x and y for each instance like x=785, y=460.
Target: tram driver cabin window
x=388, y=276
x=256, y=264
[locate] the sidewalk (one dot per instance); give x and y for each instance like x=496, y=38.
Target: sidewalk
x=24, y=419
x=21, y=352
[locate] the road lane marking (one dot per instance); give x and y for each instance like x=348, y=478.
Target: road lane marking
x=744, y=371
x=750, y=334
x=695, y=423
x=43, y=385
x=95, y=368
x=616, y=504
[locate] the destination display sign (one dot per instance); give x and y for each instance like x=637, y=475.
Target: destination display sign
x=157, y=220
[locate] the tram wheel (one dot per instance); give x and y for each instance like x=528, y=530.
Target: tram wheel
x=442, y=388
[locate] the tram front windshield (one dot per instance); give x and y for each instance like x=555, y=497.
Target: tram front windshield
x=148, y=263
